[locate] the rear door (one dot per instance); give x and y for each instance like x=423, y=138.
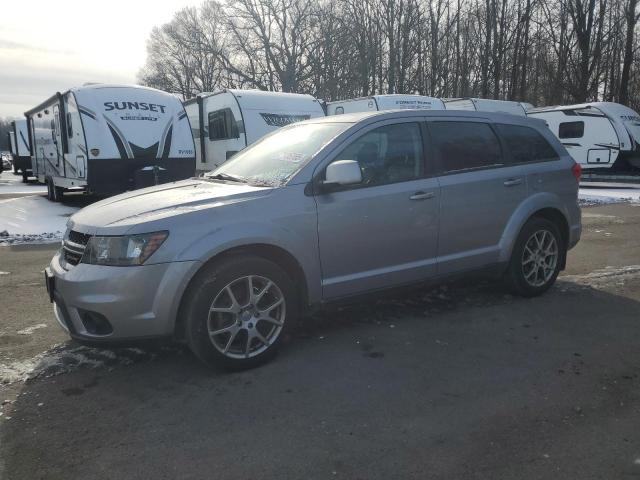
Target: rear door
x=384, y=231
x=479, y=192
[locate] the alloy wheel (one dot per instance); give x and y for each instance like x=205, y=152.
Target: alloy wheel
x=246, y=317
x=539, y=258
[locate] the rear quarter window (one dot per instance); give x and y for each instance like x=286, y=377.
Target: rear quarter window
x=525, y=144
x=464, y=146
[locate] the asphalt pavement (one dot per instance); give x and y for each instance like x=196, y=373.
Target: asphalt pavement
x=459, y=382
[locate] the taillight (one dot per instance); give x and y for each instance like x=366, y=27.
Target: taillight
x=577, y=171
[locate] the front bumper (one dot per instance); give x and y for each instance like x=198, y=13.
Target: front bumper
x=137, y=302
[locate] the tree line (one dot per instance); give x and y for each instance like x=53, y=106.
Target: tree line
x=541, y=51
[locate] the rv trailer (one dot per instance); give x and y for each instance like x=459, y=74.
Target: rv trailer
x=20, y=148
x=384, y=102
x=12, y=149
x=602, y=135
x=226, y=121
x=106, y=139
x=487, y=105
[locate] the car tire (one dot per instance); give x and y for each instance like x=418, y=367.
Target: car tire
x=536, y=258
x=218, y=300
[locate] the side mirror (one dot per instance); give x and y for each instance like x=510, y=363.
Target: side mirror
x=343, y=172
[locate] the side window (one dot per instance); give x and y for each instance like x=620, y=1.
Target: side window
x=69, y=126
x=525, y=144
x=571, y=130
x=465, y=145
x=222, y=125
x=388, y=154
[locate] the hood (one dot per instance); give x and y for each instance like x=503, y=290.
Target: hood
x=161, y=201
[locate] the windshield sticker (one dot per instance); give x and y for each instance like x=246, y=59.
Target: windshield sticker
x=280, y=120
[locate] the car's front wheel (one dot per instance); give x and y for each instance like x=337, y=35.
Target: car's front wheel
x=238, y=310
x=536, y=258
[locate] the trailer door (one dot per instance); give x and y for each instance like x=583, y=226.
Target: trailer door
x=57, y=137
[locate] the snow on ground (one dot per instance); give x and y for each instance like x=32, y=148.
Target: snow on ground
x=67, y=357
x=32, y=219
x=12, y=184
x=601, y=196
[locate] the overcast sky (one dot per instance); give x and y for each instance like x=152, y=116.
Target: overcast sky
x=50, y=46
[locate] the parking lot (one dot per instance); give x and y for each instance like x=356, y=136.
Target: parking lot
x=462, y=381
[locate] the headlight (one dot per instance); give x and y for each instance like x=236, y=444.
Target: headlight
x=124, y=250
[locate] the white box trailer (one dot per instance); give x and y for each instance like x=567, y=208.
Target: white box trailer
x=20, y=148
x=12, y=147
x=226, y=121
x=384, y=102
x=597, y=135
x=487, y=105
x=107, y=139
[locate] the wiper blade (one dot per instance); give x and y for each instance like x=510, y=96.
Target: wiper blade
x=227, y=177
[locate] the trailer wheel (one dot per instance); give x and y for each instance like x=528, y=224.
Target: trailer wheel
x=47, y=182
x=57, y=193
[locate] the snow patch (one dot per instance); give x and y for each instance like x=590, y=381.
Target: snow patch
x=66, y=358
x=605, y=196
x=32, y=219
x=606, y=275
x=12, y=184
x=30, y=330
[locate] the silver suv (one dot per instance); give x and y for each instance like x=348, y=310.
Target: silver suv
x=315, y=212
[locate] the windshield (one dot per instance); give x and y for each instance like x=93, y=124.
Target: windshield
x=275, y=158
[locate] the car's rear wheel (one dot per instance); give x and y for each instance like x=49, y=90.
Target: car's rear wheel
x=238, y=310
x=536, y=258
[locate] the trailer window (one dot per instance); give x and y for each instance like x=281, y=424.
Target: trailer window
x=69, y=126
x=222, y=125
x=525, y=144
x=571, y=130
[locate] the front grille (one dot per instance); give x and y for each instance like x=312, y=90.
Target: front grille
x=73, y=246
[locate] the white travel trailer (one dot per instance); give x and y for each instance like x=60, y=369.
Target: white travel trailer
x=107, y=139
x=487, y=105
x=384, y=102
x=12, y=147
x=226, y=121
x=20, y=149
x=597, y=134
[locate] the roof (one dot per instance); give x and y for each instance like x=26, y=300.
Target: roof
x=602, y=106
x=249, y=93
x=88, y=86
x=403, y=113
x=383, y=96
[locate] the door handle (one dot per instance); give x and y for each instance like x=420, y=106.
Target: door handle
x=512, y=182
x=422, y=196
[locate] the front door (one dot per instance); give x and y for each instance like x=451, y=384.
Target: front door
x=384, y=231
